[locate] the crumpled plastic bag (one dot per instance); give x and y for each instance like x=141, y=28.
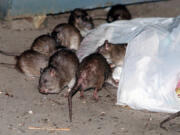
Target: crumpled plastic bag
x=118, y=32
x=151, y=67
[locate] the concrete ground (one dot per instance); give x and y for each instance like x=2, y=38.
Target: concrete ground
x=23, y=107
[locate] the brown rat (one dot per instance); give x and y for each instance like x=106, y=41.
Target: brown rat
x=67, y=35
x=81, y=20
x=60, y=72
x=45, y=44
x=114, y=53
x=29, y=62
x=92, y=72
x=118, y=12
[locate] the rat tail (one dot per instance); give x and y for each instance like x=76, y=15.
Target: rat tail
x=173, y=116
x=71, y=94
x=15, y=66
x=8, y=53
x=7, y=65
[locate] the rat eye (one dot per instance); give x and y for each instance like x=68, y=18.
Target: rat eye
x=78, y=16
x=45, y=80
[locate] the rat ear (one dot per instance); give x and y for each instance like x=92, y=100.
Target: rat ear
x=106, y=44
x=52, y=72
x=125, y=46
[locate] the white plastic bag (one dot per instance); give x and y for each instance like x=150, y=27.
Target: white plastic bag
x=150, y=71
x=118, y=32
x=152, y=63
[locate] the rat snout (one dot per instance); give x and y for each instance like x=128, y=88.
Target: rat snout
x=43, y=90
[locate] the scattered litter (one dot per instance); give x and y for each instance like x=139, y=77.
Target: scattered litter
x=9, y=95
x=49, y=128
x=103, y=114
x=84, y=102
x=178, y=89
x=30, y=112
x=39, y=20
x=150, y=119
x=126, y=106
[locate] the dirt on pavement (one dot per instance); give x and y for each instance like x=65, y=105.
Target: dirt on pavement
x=22, y=106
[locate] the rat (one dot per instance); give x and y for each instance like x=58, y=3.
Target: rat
x=60, y=72
x=67, y=35
x=92, y=73
x=81, y=20
x=29, y=62
x=118, y=12
x=114, y=53
x=45, y=44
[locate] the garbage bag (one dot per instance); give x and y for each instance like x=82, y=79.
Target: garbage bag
x=118, y=32
x=151, y=67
